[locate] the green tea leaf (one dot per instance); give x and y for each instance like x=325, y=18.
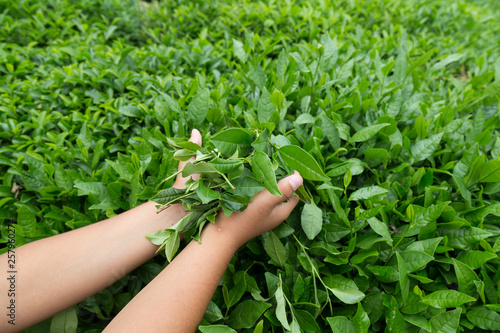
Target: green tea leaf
x=64, y=322
x=263, y=170
x=344, y=289
x=341, y=324
x=361, y=320
x=446, y=322
x=365, y=193
x=246, y=314
x=216, y=329
x=229, y=141
x=484, y=318
x=311, y=220
x=367, y=133
x=198, y=108
x=301, y=161
x=425, y=148
x=446, y=299
x=205, y=194
x=404, y=281
x=275, y=249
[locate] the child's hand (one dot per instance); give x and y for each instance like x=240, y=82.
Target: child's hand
x=264, y=213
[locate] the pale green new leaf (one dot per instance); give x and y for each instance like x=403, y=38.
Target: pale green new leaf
x=367, y=133
x=365, y=193
x=311, y=220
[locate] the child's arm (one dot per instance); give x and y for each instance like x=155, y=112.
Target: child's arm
x=176, y=300
x=58, y=272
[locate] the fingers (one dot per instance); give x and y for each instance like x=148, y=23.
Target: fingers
x=287, y=186
x=195, y=137
x=181, y=181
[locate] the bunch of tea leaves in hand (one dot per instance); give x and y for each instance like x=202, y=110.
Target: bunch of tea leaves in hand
x=234, y=165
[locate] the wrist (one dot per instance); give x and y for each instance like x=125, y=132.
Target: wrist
x=221, y=237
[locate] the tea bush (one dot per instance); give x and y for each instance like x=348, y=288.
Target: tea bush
x=395, y=104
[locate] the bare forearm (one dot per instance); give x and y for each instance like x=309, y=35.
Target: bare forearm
x=176, y=300
x=60, y=271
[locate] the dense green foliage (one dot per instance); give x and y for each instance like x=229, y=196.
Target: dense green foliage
x=397, y=102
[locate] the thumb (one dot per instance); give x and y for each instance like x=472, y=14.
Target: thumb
x=195, y=137
x=180, y=181
x=289, y=184
x=286, y=186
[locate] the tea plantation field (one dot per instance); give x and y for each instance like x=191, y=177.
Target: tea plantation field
x=392, y=105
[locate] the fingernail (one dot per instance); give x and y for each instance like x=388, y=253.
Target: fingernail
x=295, y=180
x=192, y=133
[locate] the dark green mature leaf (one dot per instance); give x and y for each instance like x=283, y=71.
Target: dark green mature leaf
x=476, y=259
x=168, y=195
x=228, y=141
x=344, y=289
x=275, y=249
x=484, y=318
x=247, y=185
x=301, y=161
x=466, y=277
x=463, y=237
x=247, y=313
x=306, y=321
x=446, y=299
x=415, y=260
x=361, y=320
x=419, y=321
x=446, y=322
x=341, y=324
